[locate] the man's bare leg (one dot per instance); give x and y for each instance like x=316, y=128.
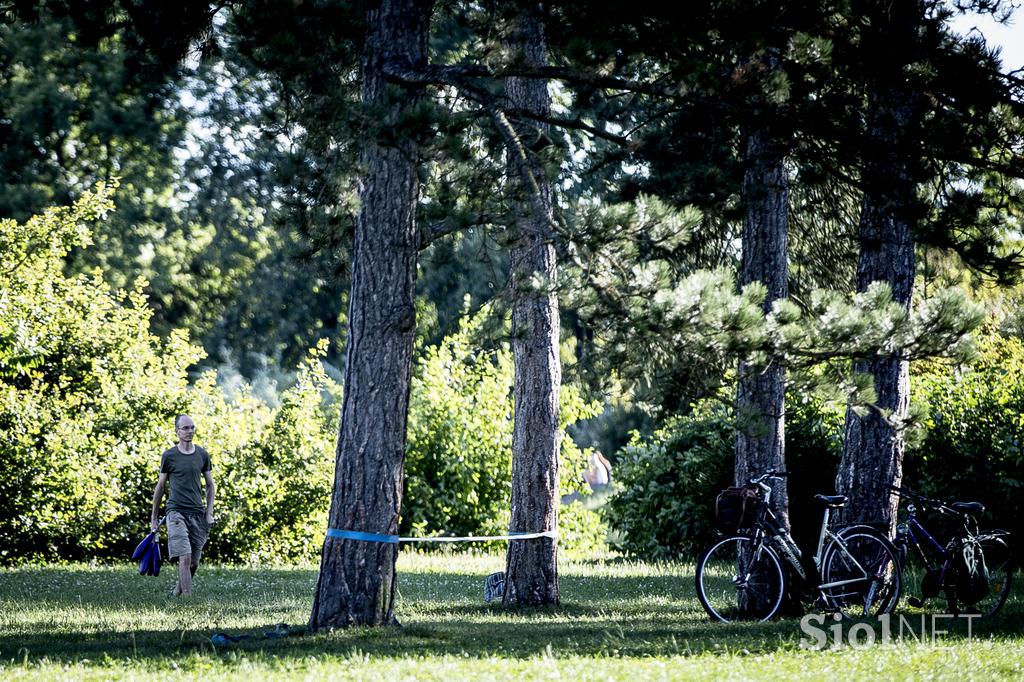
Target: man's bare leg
x=184, y=587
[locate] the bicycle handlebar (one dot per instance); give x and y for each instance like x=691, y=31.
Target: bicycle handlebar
x=768, y=474
x=937, y=505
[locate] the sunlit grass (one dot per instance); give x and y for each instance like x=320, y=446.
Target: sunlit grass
x=618, y=620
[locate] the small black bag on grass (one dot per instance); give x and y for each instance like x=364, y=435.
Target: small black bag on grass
x=736, y=508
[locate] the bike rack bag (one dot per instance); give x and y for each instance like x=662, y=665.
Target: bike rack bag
x=736, y=508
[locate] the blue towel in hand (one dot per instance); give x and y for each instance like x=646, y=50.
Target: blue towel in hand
x=148, y=555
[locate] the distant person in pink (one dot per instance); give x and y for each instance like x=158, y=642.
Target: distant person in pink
x=599, y=472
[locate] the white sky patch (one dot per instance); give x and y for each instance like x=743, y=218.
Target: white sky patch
x=1009, y=37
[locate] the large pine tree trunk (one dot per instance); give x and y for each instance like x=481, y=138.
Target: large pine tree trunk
x=531, y=573
x=357, y=578
x=873, y=445
x=874, y=442
x=761, y=392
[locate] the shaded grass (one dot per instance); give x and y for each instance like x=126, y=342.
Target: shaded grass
x=618, y=620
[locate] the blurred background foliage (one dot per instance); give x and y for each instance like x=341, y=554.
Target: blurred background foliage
x=89, y=396
x=218, y=285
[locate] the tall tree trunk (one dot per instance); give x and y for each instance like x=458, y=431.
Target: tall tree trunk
x=761, y=391
x=874, y=443
x=357, y=578
x=531, y=573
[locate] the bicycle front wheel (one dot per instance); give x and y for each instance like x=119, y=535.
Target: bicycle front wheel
x=860, y=574
x=998, y=561
x=738, y=579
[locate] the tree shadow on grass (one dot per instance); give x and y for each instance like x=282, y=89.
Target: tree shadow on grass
x=412, y=640
x=441, y=615
x=424, y=639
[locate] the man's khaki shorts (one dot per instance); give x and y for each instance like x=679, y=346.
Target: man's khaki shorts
x=187, y=532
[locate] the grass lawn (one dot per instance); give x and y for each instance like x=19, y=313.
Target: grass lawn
x=618, y=620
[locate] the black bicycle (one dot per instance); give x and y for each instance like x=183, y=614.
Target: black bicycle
x=974, y=569
x=742, y=577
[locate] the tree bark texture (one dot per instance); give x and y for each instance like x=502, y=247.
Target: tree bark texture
x=761, y=391
x=531, y=573
x=356, y=585
x=874, y=442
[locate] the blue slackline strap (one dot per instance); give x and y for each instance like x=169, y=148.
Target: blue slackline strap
x=357, y=535
x=395, y=539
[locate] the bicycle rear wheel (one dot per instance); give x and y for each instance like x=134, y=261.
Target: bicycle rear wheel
x=738, y=579
x=865, y=566
x=998, y=561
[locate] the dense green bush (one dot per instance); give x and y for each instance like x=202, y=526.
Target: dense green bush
x=661, y=509
x=668, y=484
x=275, y=467
x=458, y=465
x=82, y=386
x=88, y=398
x=974, y=431
x=87, y=403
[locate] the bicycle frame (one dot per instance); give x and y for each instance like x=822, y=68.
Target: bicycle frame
x=910, y=536
x=791, y=554
x=744, y=574
x=940, y=562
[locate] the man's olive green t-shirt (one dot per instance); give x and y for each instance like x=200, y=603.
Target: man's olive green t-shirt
x=184, y=474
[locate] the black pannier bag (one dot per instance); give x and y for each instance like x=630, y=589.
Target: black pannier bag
x=736, y=508
x=972, y=573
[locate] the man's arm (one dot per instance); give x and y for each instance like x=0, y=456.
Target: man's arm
x=158, y=496
x=210, y=489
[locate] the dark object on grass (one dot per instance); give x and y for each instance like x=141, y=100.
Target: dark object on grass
x=222, y=638
x=280, y=630
x=494, y=587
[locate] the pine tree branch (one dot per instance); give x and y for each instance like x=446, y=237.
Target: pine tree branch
x=457, y=78
x=575, y=124
x=438, y=74
x=431, y=233
x=517, y=150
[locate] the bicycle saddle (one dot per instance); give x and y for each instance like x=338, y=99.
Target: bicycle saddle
x=972, y=508
x=831, y=501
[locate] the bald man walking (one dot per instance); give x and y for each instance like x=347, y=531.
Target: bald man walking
x=188, y=519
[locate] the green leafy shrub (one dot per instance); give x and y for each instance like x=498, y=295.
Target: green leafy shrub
x=83, y=386
x=458, y=465
x=582, y=528
x=668, y=484
x=661, y=509
x=88, y=398
x=973, y=435
x=274, y=468
x=87, y=401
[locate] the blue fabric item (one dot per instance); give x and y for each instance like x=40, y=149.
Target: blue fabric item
x=151, y=558
x=155, y=559
x=367, y=537
x=147, y=552
x=144, y=564
x=143, y=546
